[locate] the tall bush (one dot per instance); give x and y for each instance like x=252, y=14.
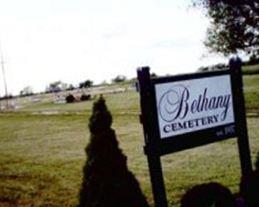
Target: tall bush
x=107, y=182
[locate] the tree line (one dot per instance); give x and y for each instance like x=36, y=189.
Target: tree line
x=58, y=86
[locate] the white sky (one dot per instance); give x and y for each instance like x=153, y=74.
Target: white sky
x=74, y=40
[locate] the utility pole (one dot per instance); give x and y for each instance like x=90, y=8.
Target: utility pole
x=4, y=78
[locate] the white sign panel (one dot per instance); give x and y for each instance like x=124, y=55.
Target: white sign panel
x=192, y=105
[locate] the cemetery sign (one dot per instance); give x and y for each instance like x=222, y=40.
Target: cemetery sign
x=185, y=111
x=192, y=105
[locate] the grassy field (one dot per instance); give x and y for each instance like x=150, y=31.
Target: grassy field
x=251, y=89
x=42, y=151
x=250, y=69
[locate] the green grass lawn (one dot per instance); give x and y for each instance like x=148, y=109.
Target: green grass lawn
x=251, y=90
x=42, y=151
x=250, y=69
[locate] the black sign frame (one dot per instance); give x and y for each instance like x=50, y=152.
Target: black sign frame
x=155, y=147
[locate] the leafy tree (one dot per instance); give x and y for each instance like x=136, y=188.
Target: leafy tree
x=70, y=87
x=86, y=84
x=219, y=66
x=107, y=182
x=58, y=86
x=234, y=26
x=104, y=82
x=54, y=87
x=153, y=75
x=26, y=91
x=63, y=86
x=119, y=79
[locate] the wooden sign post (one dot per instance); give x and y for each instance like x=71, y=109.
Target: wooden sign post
x=186, y=111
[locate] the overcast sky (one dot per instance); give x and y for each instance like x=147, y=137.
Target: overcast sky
x=74, y=40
